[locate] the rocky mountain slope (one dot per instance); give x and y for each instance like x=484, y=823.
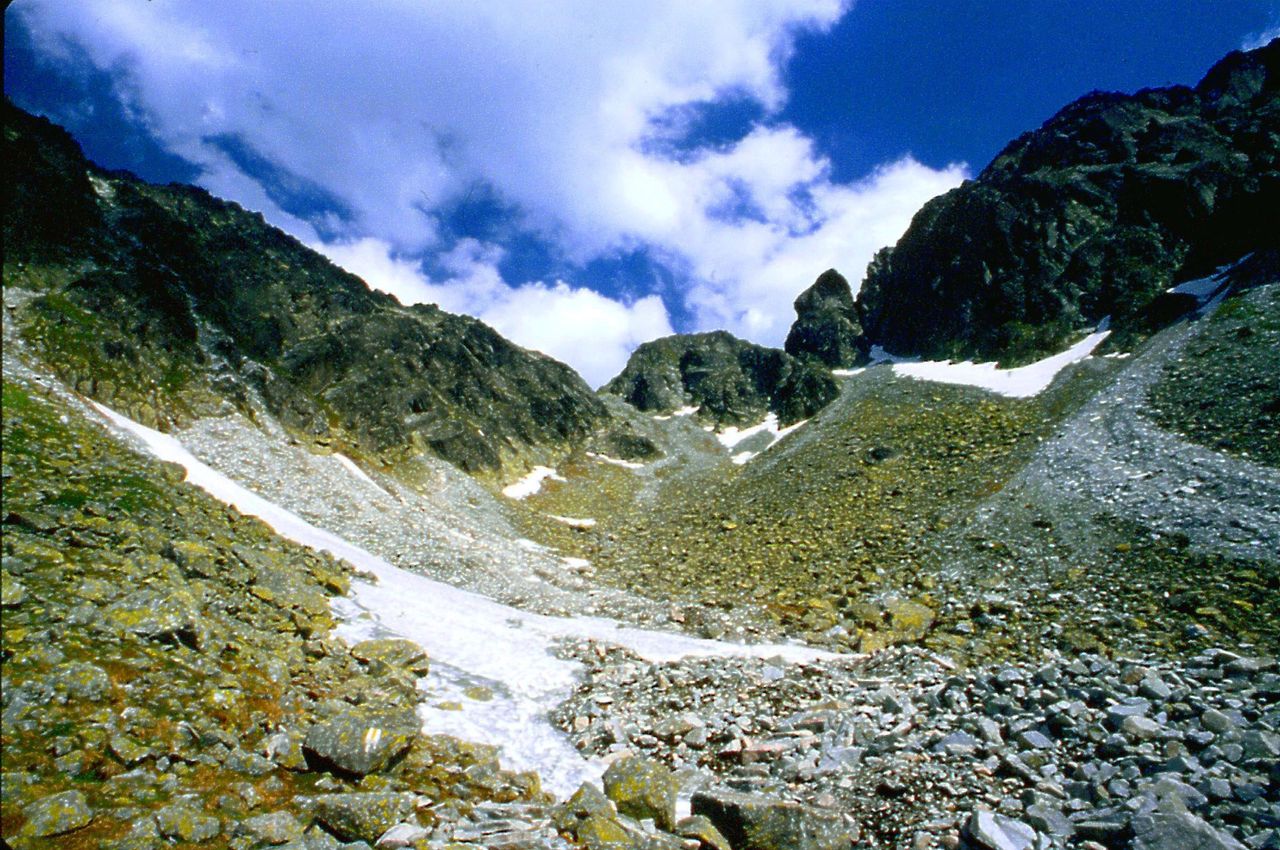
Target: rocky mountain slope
x=173, y=304
x=1047, y=621
x=729, y=381
x=1097, y=213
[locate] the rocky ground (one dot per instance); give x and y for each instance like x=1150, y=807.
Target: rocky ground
x=1070, y=679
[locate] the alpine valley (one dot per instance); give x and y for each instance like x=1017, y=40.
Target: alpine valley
x=289, y=564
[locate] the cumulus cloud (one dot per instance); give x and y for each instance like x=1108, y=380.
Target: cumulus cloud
x=390, y=113
x=591, y=332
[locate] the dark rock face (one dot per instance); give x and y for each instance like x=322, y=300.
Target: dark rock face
x=1096, y=213
x=826, y=327
x=732, y=381
x=139, y=282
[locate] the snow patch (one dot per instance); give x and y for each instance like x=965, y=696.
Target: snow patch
x=625, y=464
x=684, y=411
x=730, y=437
x=350, y=466
x=574, y=522
x=473, y=641
x=848, y=373
x=1020, y=382
x=531, y=483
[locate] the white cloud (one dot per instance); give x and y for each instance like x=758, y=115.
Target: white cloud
x=397, y=109
x=1261, y=39
x=592, y=333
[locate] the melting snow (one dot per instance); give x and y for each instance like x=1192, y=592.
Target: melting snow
x=732, y=436
x=625, y=464
x=472, y=640
x=574, y=522
x=350, y=466
x=684, y=411
x=531, y=483
x=1020, y=382
x=847, y=373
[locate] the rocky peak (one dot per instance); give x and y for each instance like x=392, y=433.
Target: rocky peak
x=731, y=381
x=826, y=327
x=1115, y=199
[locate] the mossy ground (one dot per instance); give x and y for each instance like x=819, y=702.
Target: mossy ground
x=137, y=720
x=1225, y=392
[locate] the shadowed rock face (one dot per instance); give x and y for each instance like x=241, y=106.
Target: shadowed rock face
x=1113, y=200
x=136, y=281
x=826, y=327
x=732, y=381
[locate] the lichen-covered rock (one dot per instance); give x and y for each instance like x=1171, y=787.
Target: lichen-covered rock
x=182, y=822
x=587, y=802
x=363, y=816
x=731, y=381
x=361, y=740
x=172, y=617
x=826, y=327
x=702, y=830
x=82, y=680
x=392, y=653
x=643, y=788
x=57, y=814
x=761, y=822
x=273, y=828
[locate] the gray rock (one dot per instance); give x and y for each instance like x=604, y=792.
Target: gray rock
x=363, y=816
x=273, y=828
x=402, y=835
x=996, y=832
x=1217, y=722
x=1179, y=831
x=361, y=740
x=1140, y=728
x=186, y=823
x=172, y=617
x=82, y=680
x=761, y=822
x=57, y=814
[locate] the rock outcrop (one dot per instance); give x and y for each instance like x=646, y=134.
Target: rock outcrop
x=169, y=303
x=729, y=380
x=1097, y=213
x=826, y=328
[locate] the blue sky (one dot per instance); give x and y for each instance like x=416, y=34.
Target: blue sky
x=585, y=176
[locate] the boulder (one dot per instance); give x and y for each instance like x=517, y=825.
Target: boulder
x=1168, y=830
x=392, y=653
x=643, y=788
x=364, y=816
x=57, y=814
x=361, y=740
x=760, y=822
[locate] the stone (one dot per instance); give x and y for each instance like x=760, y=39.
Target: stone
x=57, y=814
x=642, y=788
x=182, y=822
x=363, y=816
x=361, y=740
x=703, y=830
x=392, y=653
x=1217, y=722
x=12, y=592
x=402, y=835
x=1179, y=831
x=273, y=828
x=1140, y=728
x=996, y=832
x=761, y=822
x=587, y=802
x=170, y=617
x=82, y=680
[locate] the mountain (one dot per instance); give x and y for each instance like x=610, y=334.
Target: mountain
x=172, y=304
x=1095, y=214
x=826, y=327
x=729, y=380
